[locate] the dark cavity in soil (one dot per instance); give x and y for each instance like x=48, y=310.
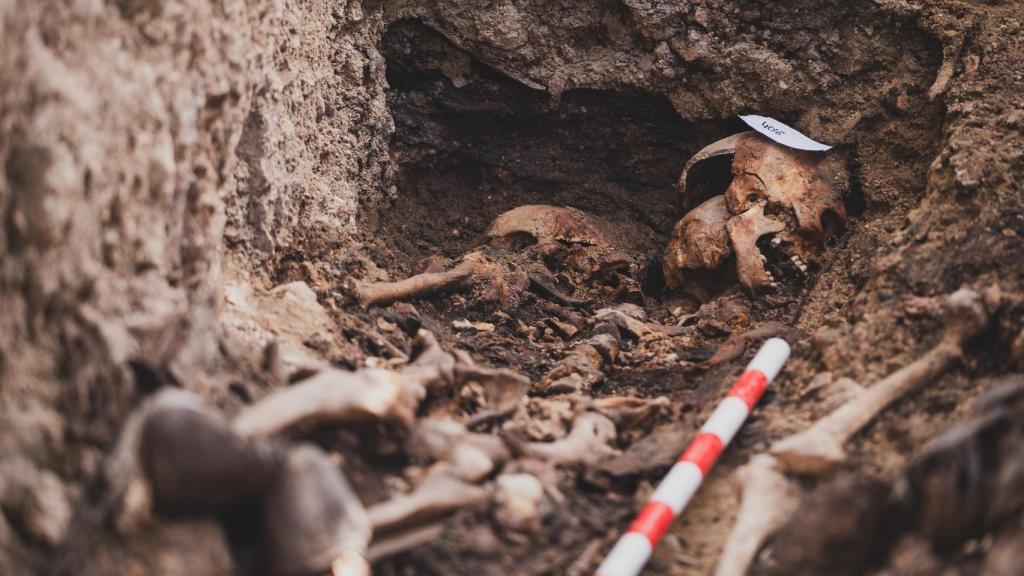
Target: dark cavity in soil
x=471, y=143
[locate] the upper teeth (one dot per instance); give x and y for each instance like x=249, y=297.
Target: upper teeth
x=776, y=241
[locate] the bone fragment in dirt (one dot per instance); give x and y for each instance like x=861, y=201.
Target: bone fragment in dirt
x=334, y=395
x=819, y=449
x=471, y=455
x=397, y=543
x=577, y=372
x=438, y=494
x=503, y=390
x=628, y=411
x=518, y=499
x=588, y=442
x=768, y=498
x=424, y=284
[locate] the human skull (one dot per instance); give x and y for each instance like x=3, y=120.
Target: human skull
x=794, y=196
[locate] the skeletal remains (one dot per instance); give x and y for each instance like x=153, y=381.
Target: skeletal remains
x=176, y=455
x=768, y=496
x=789, y=198
x=793, y=196
x=522, y=247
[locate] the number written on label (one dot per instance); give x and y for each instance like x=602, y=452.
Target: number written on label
x=783, y=134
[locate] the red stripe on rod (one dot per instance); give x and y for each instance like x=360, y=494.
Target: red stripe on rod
x=749, y=387
x=652, y=521
x=703, y=451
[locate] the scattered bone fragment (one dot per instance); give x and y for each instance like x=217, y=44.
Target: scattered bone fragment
x=580, y=370
x=819, y=449
x=502, y=390
x=626, y=316
x=313, y=520
x=396, y=543
x=470, y=455
x=438, y=494
x=768, y=498
x=589, y=442
x=518, y=498
x=340, y=395
x=628, y=411
x=653, y=453
x=585, y=365
x=546, y=418
x=475, y=326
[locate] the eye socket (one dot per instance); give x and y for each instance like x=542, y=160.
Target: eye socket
x=831, y=223
x=515, y=241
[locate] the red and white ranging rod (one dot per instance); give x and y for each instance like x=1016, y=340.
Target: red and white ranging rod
x=634, y=548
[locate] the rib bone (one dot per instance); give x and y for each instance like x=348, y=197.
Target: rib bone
x=819, y=449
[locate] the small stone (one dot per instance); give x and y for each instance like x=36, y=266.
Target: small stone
x=464, y=324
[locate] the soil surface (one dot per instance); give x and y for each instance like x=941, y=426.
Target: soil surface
x=192, y=191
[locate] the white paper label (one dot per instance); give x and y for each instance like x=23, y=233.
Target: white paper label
x=783, y=134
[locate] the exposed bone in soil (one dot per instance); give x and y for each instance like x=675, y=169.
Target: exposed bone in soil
x=281, y=210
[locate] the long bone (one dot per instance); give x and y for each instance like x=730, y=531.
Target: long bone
x=819, y=449
x=768, y=498
x=423, y=284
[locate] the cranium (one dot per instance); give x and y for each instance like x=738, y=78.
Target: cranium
x=524, y=248
x=793, y=196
